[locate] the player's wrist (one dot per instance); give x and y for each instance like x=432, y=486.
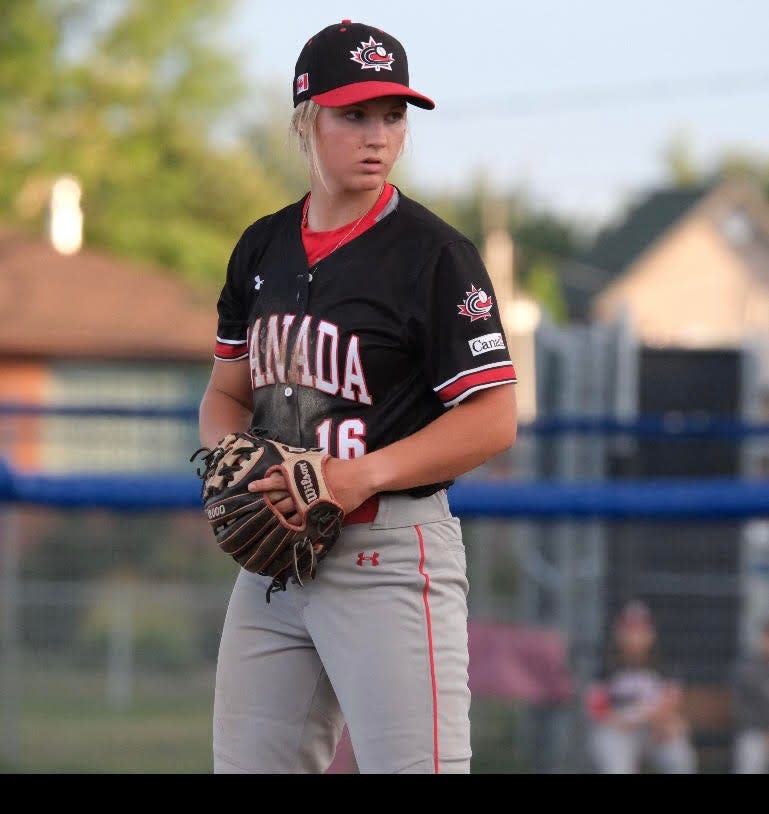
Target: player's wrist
x=350, y=480
x=373, y=474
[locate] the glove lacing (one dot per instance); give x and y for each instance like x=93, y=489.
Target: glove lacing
x=212, y=457
x=300, y=547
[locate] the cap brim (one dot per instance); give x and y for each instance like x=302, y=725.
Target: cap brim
x=363, y=91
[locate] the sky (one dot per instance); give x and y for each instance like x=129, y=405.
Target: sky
x=573, y=104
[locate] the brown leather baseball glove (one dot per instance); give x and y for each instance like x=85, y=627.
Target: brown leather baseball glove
x=248, y=527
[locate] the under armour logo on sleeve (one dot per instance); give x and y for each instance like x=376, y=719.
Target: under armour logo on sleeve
x=373, y=559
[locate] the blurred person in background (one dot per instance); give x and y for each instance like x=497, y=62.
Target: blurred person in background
x=636, y=721
x=751, y=708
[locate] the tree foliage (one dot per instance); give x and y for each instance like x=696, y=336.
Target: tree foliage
x=684, y=170
x=542, y=240
x=128, y=100
x=129, y=96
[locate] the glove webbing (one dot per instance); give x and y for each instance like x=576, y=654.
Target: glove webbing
x=328, y=527
x=279, y=582
x=213, y=456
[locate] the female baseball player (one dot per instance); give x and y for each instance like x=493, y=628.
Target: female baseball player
x=357, y=321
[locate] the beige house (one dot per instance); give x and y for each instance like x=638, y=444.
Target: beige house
x=690, y=268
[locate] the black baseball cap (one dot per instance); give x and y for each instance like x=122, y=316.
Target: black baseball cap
x=348, y=62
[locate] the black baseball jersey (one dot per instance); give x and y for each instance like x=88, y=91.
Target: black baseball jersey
x=373, y=342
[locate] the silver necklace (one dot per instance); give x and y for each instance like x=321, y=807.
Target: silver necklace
x=354, y=227
x=344, y=238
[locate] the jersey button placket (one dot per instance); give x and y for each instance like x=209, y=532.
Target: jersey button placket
x=302, y=301
x=303, y=290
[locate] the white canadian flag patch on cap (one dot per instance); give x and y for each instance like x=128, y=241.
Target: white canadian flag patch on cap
x=302, y=83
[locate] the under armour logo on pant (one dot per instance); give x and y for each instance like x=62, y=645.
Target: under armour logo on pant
x=373, y=559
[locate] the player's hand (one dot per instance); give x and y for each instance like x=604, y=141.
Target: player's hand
x=348, y=488
x=275, y=488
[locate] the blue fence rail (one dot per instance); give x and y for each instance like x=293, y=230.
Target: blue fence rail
x=672, y=425
x=663, y=499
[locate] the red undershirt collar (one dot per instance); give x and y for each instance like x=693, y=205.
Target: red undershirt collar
x=318, y=245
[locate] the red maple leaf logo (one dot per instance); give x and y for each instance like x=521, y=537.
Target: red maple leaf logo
x=477, y=304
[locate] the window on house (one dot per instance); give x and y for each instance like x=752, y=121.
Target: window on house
x=737, y=228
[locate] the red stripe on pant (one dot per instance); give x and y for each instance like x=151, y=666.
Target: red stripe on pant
x=428, y=621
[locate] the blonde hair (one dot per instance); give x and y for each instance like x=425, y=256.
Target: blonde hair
x=302, y=132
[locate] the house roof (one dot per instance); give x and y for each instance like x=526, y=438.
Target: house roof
x=621, y=243
x=618, y=246
x=94, y=305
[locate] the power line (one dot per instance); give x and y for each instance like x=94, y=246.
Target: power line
x=560, y=100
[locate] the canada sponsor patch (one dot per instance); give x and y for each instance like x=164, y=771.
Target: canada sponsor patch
x=477, y=304
x=486, y=343
x=372, y=55
x=302, y=83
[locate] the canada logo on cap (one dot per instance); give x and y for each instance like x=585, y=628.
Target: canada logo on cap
x=373, y=55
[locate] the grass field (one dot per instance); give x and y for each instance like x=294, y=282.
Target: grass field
x=64, y=725
x=164, y=740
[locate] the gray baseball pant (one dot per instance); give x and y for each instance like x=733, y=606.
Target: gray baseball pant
x=377, y=641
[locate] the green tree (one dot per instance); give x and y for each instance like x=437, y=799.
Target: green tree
x=542, y=240
x=541, y=282
x=266, y=135
x=683, y=170
x=465, y=211
x=680, y=162
x=131, y=104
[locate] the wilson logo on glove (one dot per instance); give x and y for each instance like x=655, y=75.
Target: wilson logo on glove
x=306, y=480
